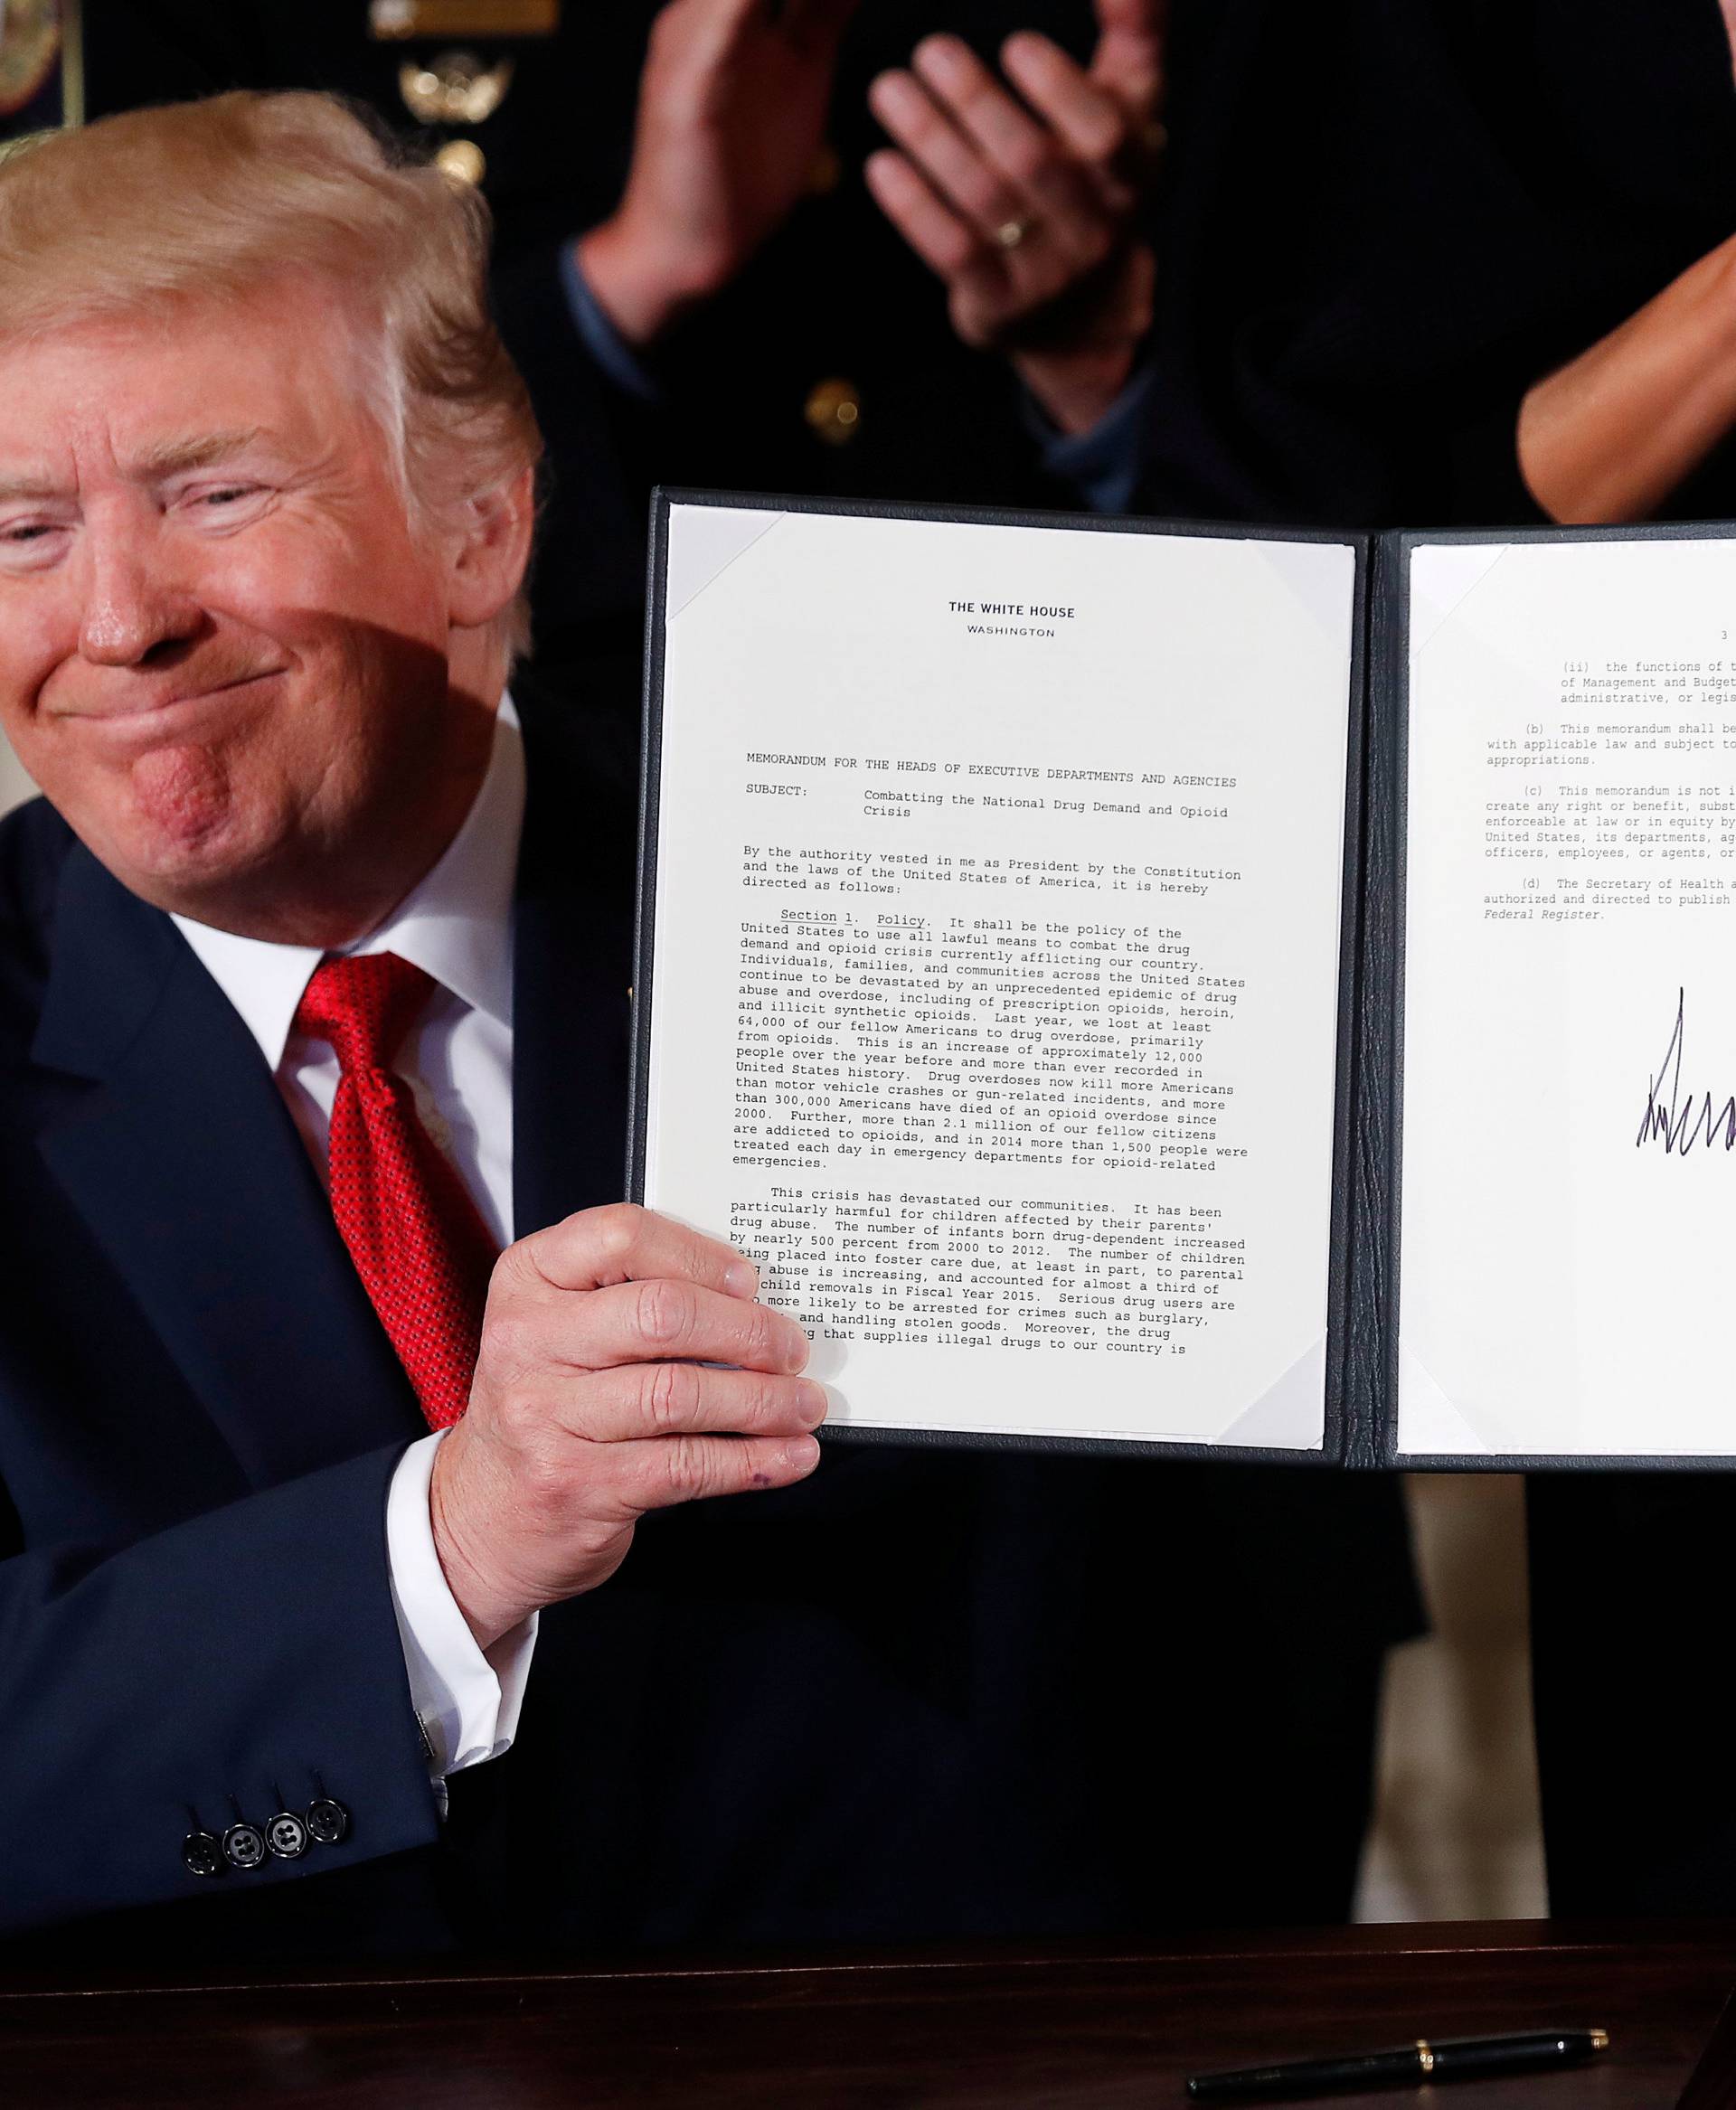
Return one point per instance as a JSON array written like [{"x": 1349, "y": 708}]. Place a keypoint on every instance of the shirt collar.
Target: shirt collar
[{"x": 456, "y": 925}]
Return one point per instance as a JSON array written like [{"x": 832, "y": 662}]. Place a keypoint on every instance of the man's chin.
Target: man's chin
[
  {"x": 182, "y": 842},
  {"x": 246, "y": 873},
  {"x": 213, "y": 879},
  {"x": 181, "y": 795}
]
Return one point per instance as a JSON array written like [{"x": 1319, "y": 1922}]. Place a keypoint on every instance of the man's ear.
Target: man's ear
[{"x": 491, "y": 548}]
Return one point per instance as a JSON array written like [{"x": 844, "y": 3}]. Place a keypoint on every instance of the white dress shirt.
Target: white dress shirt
[{"x": 457, "y": 927}]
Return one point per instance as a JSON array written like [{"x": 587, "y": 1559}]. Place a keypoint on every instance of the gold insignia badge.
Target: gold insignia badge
[
  {"x": 30, "y": 43},
  {"x": 833, "y": 411},
  {"x": 455, "y": 88},
  {"x": 462, "y": 161}
]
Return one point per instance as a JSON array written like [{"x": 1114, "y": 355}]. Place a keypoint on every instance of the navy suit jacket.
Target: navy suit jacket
[{"x": 922, "y": 1695}]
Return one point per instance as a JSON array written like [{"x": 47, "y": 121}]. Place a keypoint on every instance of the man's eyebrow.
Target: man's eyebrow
[
  {"x": 167, "y": 457},
  {"x": 14, "y": 488},
  {"x": 174, "y": 458}
]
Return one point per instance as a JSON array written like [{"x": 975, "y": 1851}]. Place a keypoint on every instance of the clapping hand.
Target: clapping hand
[
  {"x": 732, "y": 116},
  {"x": 1026, "y": 204}
]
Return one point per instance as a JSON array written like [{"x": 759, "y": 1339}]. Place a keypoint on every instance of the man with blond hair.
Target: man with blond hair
[{"x": 336, "y": 1382}]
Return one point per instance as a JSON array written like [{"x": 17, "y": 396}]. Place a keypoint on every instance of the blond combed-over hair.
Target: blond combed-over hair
[{"x": 211, "y": 200}]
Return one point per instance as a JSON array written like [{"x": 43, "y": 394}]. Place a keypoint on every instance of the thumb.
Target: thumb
[{"x": 1128, "y": 61}]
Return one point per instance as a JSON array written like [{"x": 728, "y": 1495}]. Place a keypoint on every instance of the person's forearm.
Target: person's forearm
[
  {"x": 1076, "y": 381},
  {"x": 1076, "y": 392},
  {"x": 466, "y": 1698},
  {"x": 638, "y": 287},
  {"x": 1611, "y": 434}
]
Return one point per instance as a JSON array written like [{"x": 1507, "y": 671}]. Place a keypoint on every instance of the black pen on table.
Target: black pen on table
[{"x": 1439, "y": 2058}]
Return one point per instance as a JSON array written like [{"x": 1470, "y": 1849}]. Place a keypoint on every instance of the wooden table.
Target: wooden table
[{"x": 1112, "y": 2029}]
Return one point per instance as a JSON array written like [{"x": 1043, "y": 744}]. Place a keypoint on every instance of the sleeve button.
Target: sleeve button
[
  {"x": 327, "y": 1821},
  {"x": 202, "y": 1854},
  {"x": 244, "y": 1846},
  {"x": 286, "y": 1836}
]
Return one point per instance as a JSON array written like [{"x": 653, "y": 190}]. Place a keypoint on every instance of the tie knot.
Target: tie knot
[{"x": 364, "y": 1005}]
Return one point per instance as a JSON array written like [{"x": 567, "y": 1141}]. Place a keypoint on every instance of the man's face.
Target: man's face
[{"x": 223, "y": 646}]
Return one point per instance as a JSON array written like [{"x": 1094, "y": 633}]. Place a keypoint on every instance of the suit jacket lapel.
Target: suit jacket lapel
[
  {"x": 189, "y": 1172},
  {"x": 571, "y": 967},
  {"x": 572, "y": 957}
]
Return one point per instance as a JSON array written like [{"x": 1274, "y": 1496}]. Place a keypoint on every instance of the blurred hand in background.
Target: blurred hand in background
[
  {"x": 731, "y": 117},
  {"x": 1027, "y": 203}
]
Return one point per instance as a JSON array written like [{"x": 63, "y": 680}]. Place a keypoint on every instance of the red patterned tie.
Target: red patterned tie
[{"x": 418, "y": 1240}]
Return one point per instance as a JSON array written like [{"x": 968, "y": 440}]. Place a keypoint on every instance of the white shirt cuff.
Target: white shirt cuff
[{"x": 466, "y": 1702}]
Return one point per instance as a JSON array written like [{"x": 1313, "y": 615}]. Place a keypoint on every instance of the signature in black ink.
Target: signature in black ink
[{"x": 1680, "y": 1125}]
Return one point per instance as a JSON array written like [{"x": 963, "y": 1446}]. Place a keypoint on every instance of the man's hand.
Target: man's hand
[
  {"x": 1027, "y": 208},
  {"x": 733, "y": 108},
  {"x": 592, "y": 1403}
]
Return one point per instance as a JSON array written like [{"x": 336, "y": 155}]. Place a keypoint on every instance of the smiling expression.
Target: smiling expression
[{"x": 228, "y": 655}]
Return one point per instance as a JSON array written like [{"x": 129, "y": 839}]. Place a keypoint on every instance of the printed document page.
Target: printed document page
[
  {"x": 1568, "y": 1233},
  {"x": 993, "y": 1005}
]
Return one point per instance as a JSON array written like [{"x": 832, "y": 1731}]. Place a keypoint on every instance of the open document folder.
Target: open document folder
[{"x": 1169, "y": 987}]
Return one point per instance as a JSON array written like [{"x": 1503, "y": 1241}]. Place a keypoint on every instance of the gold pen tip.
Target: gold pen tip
[{"x": 1600, "y": 2039}]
